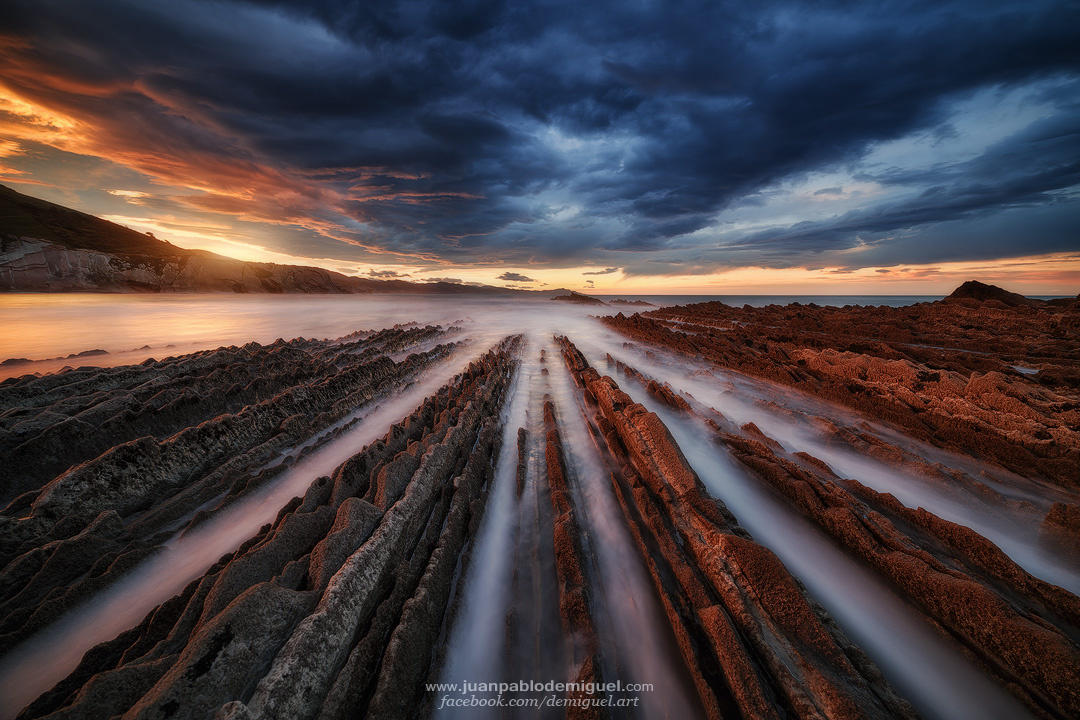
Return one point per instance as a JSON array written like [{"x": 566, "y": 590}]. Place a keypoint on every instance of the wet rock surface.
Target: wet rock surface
[
  {"x": 606, "y": 552},
  {"x": 223, "y": 422},
  {"x": 751, "y": 641},
  {"x": 335, "y": 609},
  {"x": 1019, "y": 628},
  {"x": 980, "y": 372},
  {"x": 574, "y": 601}
]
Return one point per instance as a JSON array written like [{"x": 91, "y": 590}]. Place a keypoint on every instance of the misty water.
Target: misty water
[
  {"x": 923, "y": 667},
  {"x": 927, "y": 669},
  {"x": 48, "y": 327}
]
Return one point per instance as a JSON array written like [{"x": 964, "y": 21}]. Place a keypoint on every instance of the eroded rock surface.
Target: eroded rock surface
[
  {"x": 980, "y": 373},
  {"x": 1019, "y": 628},
  {"x": 751, "y": 641},
  {"x": 199, "y": 429},
  {"x": 349, "y": 600},
  {"x": 335, "y": 609}
]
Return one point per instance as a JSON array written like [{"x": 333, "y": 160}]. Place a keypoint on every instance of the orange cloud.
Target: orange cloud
[{"x": 176, "y": 144}]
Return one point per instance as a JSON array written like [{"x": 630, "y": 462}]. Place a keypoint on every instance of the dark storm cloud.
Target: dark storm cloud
[
  {"x": 515, "y": 277},
  {"x": 386, "y": 274},
  {"x": 427, "y": 128},
  {"x": 605, "y": 271},
  {"x": 1023, "y": 171}
]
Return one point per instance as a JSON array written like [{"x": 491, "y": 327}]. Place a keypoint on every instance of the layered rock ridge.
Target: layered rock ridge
[
  {"x": 334, "y": 610},
  {"x": 1020, "y": 629},
  {"x": 979, "y": 373},
  {"x": 113, "y": 462},
  {"x": 752, "y": 643}
]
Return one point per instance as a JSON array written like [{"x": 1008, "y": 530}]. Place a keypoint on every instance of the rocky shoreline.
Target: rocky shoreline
[
  {"x": 751, "y": 641},
  {"x": 321, "y": 613},
  {"x": 977, "y": 376},
  {"x": 571, "y": 460},
  {"x": 1020, "y": 628},
  {"x": 220, "y": 420}
]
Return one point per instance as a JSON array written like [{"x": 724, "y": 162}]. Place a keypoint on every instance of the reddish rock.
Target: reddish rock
[
  {"x": 574, "y": 602},
  {"x": 997, "y": 378},
  {"x": 746, "y": 630}
]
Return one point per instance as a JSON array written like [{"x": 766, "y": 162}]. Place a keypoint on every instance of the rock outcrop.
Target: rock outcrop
[
  {"x": 578, "y": 299},
  {"x": 751, "y": 641},
  {"x": 981, "y": 292},
  {"x": 993, "y": 380},
  {"x": 574, "y": 602},
  {"x": 353, "y": 596},
  {"x": 335, "y": 609},
  {"x": 135, "y": 450},
  {"x": 1018, "y": 627}
]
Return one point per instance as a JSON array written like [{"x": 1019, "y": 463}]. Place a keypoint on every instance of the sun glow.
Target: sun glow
[{"x": 1055, "y": 274}]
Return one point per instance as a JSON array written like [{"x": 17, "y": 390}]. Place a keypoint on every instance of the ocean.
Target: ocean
[{"x": 55, "y": 330}]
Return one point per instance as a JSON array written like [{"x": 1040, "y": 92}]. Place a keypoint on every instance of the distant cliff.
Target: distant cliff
[
  {"x": 29, "y": 264},
  {"x": 46, "y": 247}
]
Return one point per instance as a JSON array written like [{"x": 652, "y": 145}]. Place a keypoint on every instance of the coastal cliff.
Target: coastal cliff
[
  {"x": 35, "y": 265},
  {"x": 46, "y": 247}
]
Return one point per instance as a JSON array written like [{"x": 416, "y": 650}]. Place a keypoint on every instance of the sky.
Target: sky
[{"x": 615, "y": 147}]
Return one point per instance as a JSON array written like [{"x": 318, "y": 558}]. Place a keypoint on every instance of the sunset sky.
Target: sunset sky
[{"x": 616, "y": 147}]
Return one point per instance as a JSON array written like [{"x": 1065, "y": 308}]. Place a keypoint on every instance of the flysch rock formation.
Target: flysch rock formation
[
  {"x": 334, "y": 609},
  {"x": 972, "y": 373},
  {"x": 359, "y": 591},
  {"x": 1019, "y": 628},
  {"x": 106, "y": 462},
  {"x": 543, "y": 588},
  {"x": 570, "y": 561},
  {"x": 752, "y": 643}
]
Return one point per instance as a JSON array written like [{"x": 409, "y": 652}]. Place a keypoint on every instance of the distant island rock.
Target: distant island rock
[
  {"x": 981, "y": 292},
  {"x": 634, "y": 303},
  {"x": 73, "y": 356},
  {"x": 575, "y": 297}
]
